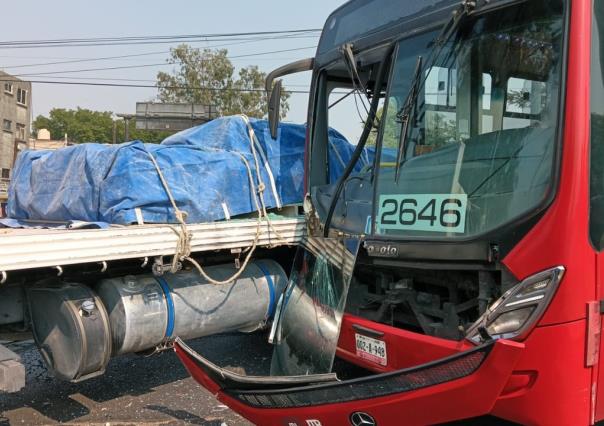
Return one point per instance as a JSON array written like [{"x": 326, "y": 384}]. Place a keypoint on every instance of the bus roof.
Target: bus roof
[
  {"x": 370, "y": 22},
  {"x": 361, "y": 19}
]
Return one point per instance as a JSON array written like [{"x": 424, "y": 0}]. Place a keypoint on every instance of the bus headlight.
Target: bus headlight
[{"x": 515, "y": 313}]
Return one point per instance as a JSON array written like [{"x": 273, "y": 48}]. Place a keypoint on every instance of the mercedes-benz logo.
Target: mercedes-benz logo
[{"x": 359, "y": 418}]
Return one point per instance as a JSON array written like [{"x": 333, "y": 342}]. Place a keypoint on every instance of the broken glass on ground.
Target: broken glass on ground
[{"x": 309, "y": 316}]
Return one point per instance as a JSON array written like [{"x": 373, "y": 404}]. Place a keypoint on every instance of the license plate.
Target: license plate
[{"x": 373, "y": 350}]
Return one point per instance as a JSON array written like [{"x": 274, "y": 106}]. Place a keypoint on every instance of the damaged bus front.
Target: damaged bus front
[{"x": 475, "y": 285}]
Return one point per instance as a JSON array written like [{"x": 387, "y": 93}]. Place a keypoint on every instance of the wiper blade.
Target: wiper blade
[
  {"x": 465, "y": 9},
  {"x": 404, "y": 115}
]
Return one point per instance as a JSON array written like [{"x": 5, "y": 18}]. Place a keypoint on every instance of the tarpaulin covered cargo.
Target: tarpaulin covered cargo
[{"x": 203, "y": 166}]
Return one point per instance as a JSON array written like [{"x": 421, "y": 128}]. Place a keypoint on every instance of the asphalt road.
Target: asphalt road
[{"x": 154, "y": 390}]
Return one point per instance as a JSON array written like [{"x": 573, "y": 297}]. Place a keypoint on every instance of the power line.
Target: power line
[
  {"x": 165, "y": 52},
  {"x": 39, "y": 57},
  {"x": 149, "y": 86},
  {"x": 102, "y": 79},
  {"x": 158, "y": 37},
  {"x": 155, "y": 64},
  {"x": 121, "y": 67},
  {"x": 146, "y": 42},
  {"x": 119, "y": 41}
]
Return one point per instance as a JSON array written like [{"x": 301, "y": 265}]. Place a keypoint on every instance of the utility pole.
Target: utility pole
[
  {"x": 114, "y": 132},
  {"x": 127, "y": 129}
]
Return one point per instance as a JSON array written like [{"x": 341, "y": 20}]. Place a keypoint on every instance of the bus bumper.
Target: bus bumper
[{"x": 461, "y": 385}]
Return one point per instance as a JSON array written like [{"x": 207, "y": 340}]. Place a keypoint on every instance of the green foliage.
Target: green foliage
[
  {"x": 148, "y": 136},
  {"x": 84, "y": 125},
  {"x": 207, "y": 77},
  {"x": 80, "y": 125},
  {"x": 440, "y": 130},
  {"x": 392, "y": 127}
]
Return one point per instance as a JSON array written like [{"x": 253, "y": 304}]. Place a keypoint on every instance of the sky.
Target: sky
[{"x": 59, "y": 19}]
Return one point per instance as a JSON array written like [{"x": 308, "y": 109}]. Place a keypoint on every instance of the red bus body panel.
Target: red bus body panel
[
  {"x": 546, "y": 370},
  {"x": 543, "y": 380},
  {"x": 467, "y": 397},
  {"x": 405, "y": 348},
  {"x": 551, "y": 383}
]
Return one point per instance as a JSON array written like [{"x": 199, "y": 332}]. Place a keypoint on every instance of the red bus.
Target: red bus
[{"x": 479, "y": 284}]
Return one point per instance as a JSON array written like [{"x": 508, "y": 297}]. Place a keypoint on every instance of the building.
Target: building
[
  {"x": 44, "y": 143},
  {"x": 15, "y": 120}
]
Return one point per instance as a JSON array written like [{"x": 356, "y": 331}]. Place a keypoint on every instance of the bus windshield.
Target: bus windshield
[{"x": 480, "y": 142}]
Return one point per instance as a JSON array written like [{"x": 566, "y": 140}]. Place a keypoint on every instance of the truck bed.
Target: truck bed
[{"x": 36, "y": 248}]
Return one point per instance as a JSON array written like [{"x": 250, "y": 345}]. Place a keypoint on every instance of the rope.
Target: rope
[
  {"x": 248, "y": 257},
  {"x": 183, "y": 245},
  {"x": 264, "y": 158},
  {"x": 261, "y": 185}
]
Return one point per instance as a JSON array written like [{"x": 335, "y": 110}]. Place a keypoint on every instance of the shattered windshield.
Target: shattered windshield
[
  {"x": 310, "y": 311},
  {"x": 480, "y": 143}
]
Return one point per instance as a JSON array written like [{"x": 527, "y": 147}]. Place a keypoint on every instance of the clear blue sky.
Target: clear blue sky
[{"x": 34, "y": 19}]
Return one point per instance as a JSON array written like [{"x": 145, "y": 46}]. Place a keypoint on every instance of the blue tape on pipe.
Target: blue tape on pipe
[
  {"x": 170, "y": 303},
  {"x": 271, "y": 289}
]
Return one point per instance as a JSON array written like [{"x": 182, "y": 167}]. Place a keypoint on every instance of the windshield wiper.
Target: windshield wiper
[
  {"x": 407, "y": 112},
  {"x": 405, "y": 115},
  {"x": 465, "y": 9}
]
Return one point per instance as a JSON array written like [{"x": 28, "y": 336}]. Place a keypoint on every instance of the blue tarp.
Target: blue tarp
[{"x": 106, "y": 183}]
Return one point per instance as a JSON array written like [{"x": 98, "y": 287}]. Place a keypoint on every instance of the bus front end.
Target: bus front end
[{"x": 476, "y": 190}]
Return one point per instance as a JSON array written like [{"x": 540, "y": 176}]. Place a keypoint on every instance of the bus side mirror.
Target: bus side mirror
[
  {"x": 273, "y": 90},
  {"x": 274, "y": 108}
]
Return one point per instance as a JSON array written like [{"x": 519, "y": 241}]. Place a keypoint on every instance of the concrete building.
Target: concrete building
[
  {"x": 15, "y": 120},
  {"x": 43, "y": 142}
]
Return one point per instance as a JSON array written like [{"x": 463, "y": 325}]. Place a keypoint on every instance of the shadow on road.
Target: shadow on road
[
  {"x": 185, "y": 416},
  {"x": 130, "y": 375}
]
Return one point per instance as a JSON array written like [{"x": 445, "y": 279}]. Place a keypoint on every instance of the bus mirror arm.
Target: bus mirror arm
[{"x": 274, "y": 88}]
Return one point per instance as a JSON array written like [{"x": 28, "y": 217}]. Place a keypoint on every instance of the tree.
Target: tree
[
  {"x": 440, "y": 129},
  {"x": 207, "y": 77},
  {"x": 80, "y": 125},
  {"x": 148, "y": 136},
  {"x": 84, "y": 125},
  {"x": 392, "y": 127}
]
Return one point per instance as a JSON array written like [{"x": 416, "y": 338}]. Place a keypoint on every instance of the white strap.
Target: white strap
[
  {"x": 271, "y": 178},
  {"x": 225, "y": 209},
  {"x": 139, "y": 216}
]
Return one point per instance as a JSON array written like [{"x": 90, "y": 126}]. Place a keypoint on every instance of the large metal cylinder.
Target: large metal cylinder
[{"x": 144, "y": 309}]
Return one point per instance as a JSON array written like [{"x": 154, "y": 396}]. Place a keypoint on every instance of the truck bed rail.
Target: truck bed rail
[{"x": 35, "y": 248}]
